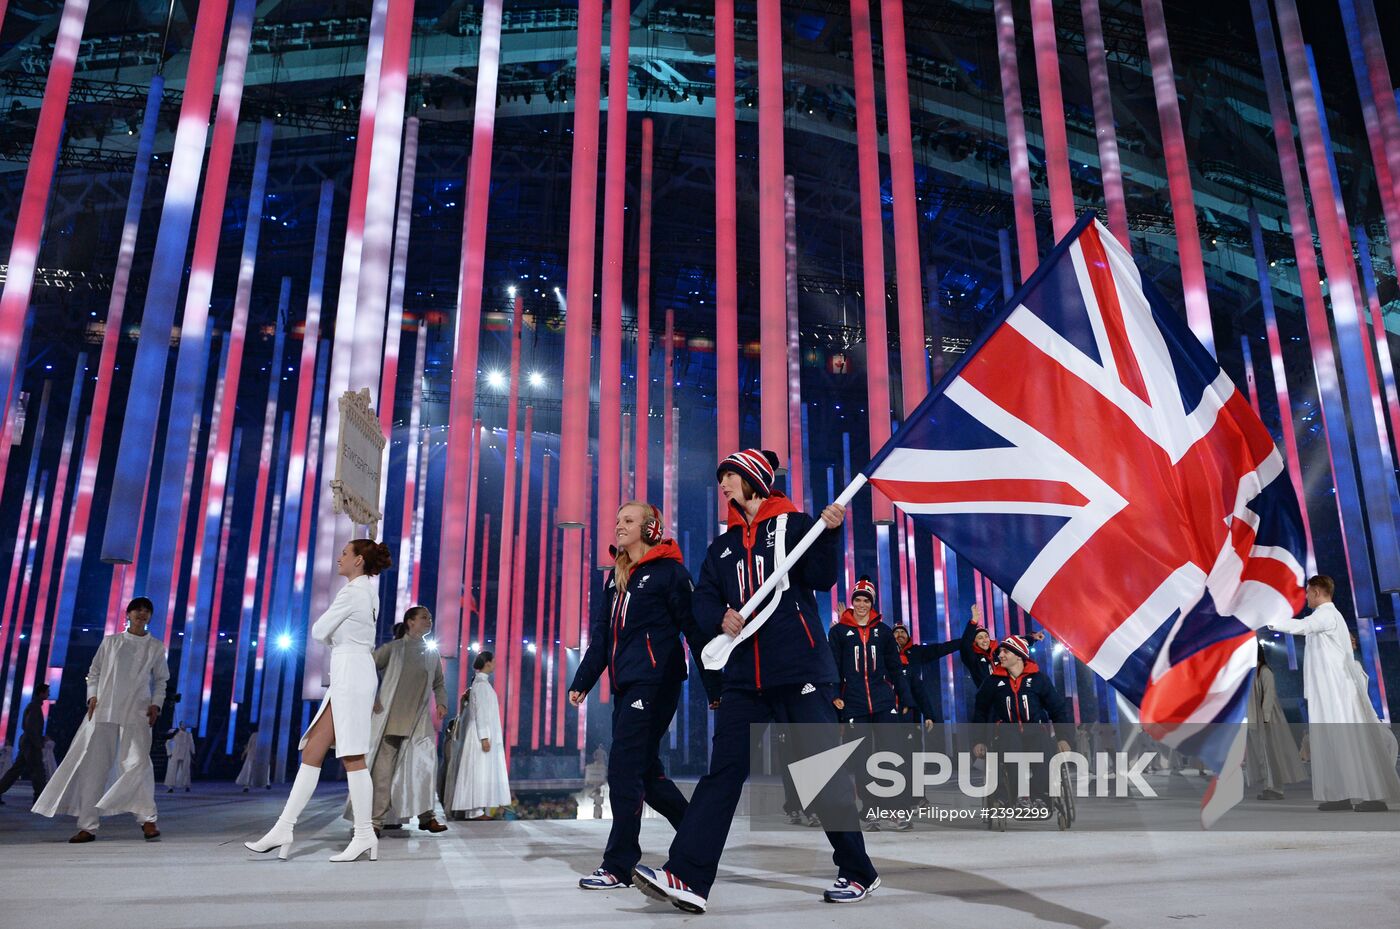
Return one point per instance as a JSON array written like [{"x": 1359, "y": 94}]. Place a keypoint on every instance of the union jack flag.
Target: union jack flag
[{"x": 1091, "y": 457}]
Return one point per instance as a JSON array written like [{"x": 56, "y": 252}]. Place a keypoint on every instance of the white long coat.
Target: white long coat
[
  {"x": 482, "y": 781},
  {"x": 127, "y": 675},
  {"x": 415, "y": 773},
  {"x": 180, "y": 748},
  {"x": 1353, "y": 753},
  {"x": 347, "y": 627},
  {"x": 256, "y": 763}
]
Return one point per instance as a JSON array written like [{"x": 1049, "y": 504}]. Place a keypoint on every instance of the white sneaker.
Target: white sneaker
[
  {"x": 664, "y": 886},
  {"x": 844, "y": 891},
  {"x": 600, "y": 879}
]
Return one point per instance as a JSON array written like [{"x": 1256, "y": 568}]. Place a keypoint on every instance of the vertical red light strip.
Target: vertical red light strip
[
  {"x": 398, "y": 282},
  {"x": 505, "y": 566},
  {"x": 794, "y": 344},
  {"x": 1052, "y": 116},
  {"x": 551, "y": 611},
  {"x": 1188, "y": 240},
  {"x": 33, "y": 206},
  {"x": 772, "y": 286},
  {"x": 467, "y": 605},
  {"x": 544, "y": 642},
  {"x": 578, "y": 324},
  {"x": 91, "y": 454},
  {"x": 625, "y": 470},
  {"x": 331, "y": 531},
  {"x": 1105, "y": 127},
  {"x": 610, "y": 331},
  {"x": 913, "y": 355},
  {"x": 452, "y": 582},
  {"x": 407, "y": 566},
  {"x": 901, "y": 547},
  {"x": 517, "y": 595},
  {"x": 1027, "y": 251},
  {"x": 726, "y": 236},
  {"x": 1281, "y": 393},
  {"x": 273, "y": 566},
  {"x": 560, "y": 680},
  {"x": 913, "y": 579},
  {"x": 872, "y": 237},
  {"x": 668, "y": 414},
  {"x": 216, "y": 602},
  {"x": 640, "y": 465},
  {"x": 417, "y": 570},
  {"x": 481, "y": 638}
]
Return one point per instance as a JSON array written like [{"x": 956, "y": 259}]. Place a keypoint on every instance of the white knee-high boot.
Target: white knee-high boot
[
  {"x": 361, "y": 807},
  {"x": 280, "y": 835}
]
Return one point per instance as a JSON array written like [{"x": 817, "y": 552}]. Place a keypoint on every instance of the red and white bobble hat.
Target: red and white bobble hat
[
  {"x": 755, "y": 465},
  {"x": 1017, "y": 645},
  {"x": 865, "y": 587}
]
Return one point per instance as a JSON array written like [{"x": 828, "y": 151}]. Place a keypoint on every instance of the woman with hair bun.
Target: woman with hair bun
[{"x": 343, "y": 720}]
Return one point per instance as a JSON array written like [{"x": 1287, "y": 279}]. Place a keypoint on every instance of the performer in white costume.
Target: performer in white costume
[
  {"x": 343, "y": 719},
  {"x": 482, "y": 781},
  {"x": 1271, "y": 755},
  {"x": 1353, "y": 753},
  {"x": 403, "y": 735},
  {"x": 108, "y": 767},
  {"x": 180, "y": 749},
  {"x": 256, "y": 764}
]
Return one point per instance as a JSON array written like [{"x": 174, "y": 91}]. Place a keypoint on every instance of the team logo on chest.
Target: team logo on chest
[{"x": 642, "y": 581}]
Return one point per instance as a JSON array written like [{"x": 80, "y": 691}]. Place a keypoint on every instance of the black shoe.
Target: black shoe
[
  {"x": 1371, "y": 806},
  {"x": 1333, "y": 806},
  {"x": 795, "y": 818},
  {"x": 1270, "y": 795}
]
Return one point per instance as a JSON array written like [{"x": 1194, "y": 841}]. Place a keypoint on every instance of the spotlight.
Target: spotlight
[
  {"x": 530, "y": 648},
  {"x": 430, "y": 645},
  {"x": 536, "y": 379},
  {"x": 511, "y": 290},
  {"x": 476, "y": 646},
  {"x": 284, "y": 641},
  {"x": 495, "y": 379}
]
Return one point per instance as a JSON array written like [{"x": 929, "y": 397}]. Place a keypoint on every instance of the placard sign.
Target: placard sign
[{"x": 359, "y": 461}]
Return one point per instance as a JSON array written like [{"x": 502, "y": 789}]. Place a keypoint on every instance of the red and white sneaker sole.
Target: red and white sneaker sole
[{"x": 651, "y": 884}]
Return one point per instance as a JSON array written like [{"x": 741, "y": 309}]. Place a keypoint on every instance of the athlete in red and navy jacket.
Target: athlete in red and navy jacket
[
  {"x": 872, "y": 686},
  {"x": 636, "y": 638},
  {"x": 1019, "y": 694},
  {"x": 789, "y": 648},
  {"x": 782, "y": 673}
]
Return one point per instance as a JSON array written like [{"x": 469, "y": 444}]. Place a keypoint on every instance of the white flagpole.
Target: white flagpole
[{"x": 717, "y": 652}]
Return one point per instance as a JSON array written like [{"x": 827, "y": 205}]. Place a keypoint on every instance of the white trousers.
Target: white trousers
[{"x": 129, "y": 748}]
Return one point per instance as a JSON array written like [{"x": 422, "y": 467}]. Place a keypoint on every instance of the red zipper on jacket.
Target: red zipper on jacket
[
  {"x": 650, "y": 653},
  {"x": 865, "y": 667},
  {"x": 811, "y": 642}
]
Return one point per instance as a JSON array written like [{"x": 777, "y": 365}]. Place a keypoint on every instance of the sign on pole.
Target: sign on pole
[{"x": 359, "y": 461}]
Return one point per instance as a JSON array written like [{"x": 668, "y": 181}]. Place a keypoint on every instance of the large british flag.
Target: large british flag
[{"x": 1091, "y": 458}]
